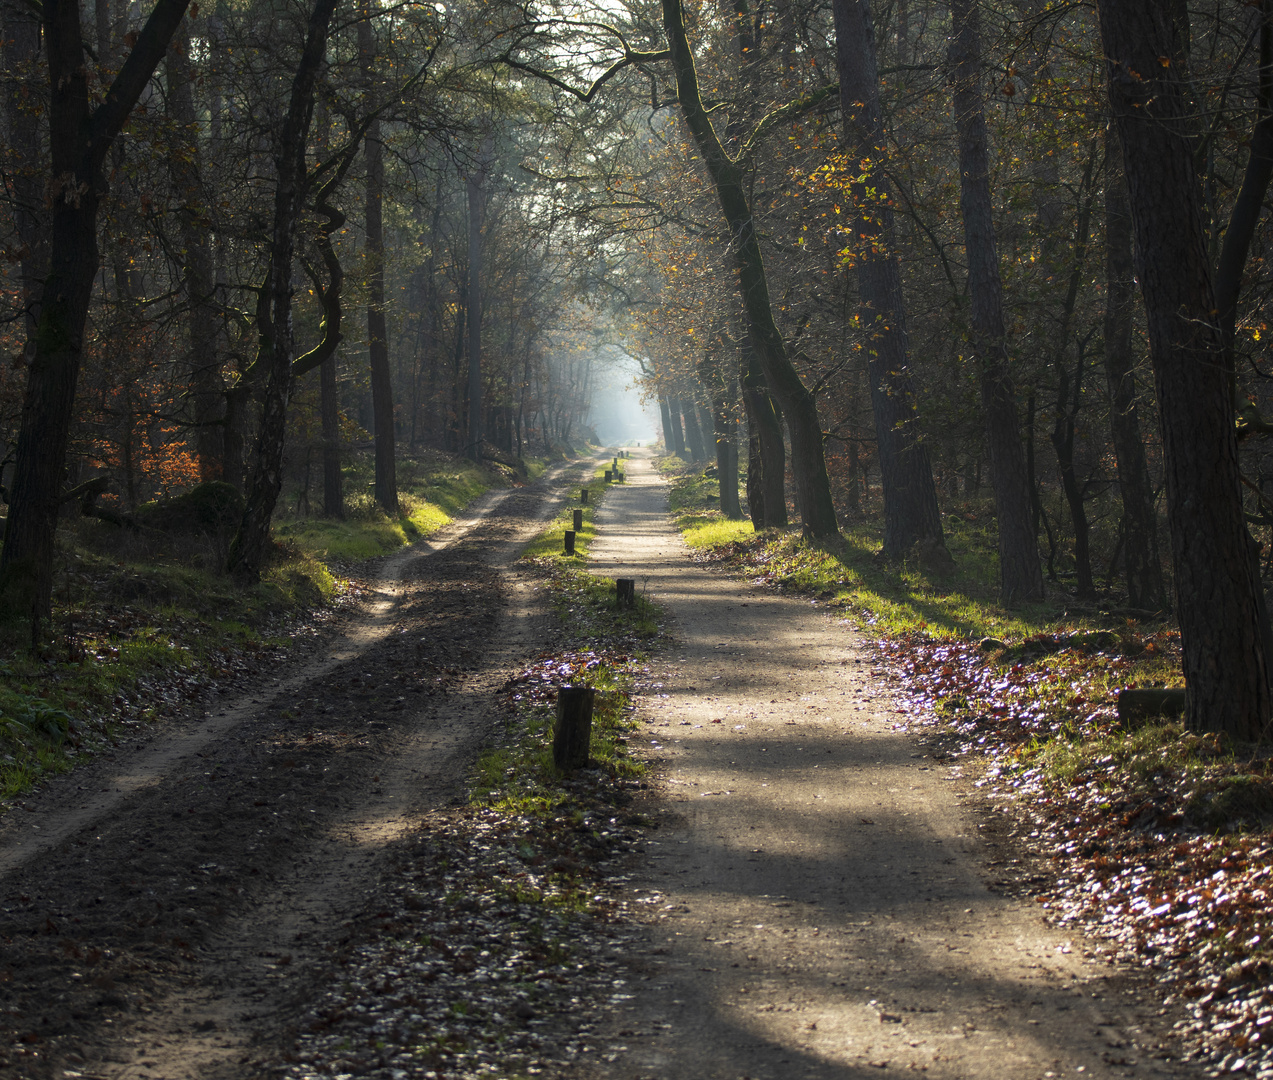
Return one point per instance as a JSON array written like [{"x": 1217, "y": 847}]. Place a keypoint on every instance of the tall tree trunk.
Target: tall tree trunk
[
  {"x": 1020, "y": 576},
  {"x": 716, "y": 376},
  {"x": 797, "y": 403},
  {"x": 1224, "y": 660},
  {"x": 198, "y": 273},
  {"x": 247, "y": 550},
  {"x": 1141, "y": 565},
  {"x": 329, "y": 406},
  {"x": 693, "y": 432},
  {"x": 79, "y": 139},
  {"x": 23, "y": 106},
  {"x": 377, "y": 336},
  {"x": 910, "y": 497},
  {"x": 477, "y": 219},
  {"x": 1063, "y": 430},
  {"x": 726, "y": 433},
  {"x": 665, "y": 414},
  {"x": 767, "y": 455},
  {"x": 1255, "y": 184},
  {"x": 677, "y": 431}
]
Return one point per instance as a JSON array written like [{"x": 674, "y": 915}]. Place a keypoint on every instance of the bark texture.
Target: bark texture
[
  {"x": 1142, "y": 567},
  {"x": 1216, "y": 586},
  {"x": 207, "y": 389},
  {"x": 79, "y": 139},
  {"x": 1020, "y": 575},
  {"x": 377, "y": 335},
  {"x": 727, "y": 176},
  {"x": 247, "y": 551},
  {"x": 910, "y": 497},
  {"x": 477, "y": 218}
]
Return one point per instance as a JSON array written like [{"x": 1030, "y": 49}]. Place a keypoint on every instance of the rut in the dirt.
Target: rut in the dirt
[{"x": 157, "y": 942}]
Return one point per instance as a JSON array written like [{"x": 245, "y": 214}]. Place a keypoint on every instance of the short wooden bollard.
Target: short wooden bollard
[
  {"x": 625, "y": 592},
  {"x": 570, "y": 542},
  {"x": 609, "y": 476},
  {"x": 583, "y": 496},
  {"x": 578, "y": 522},
  {"x": 574, "y": 726}
]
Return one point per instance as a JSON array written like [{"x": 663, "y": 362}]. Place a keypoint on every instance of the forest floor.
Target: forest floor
[{"x": 290, "y": 883}]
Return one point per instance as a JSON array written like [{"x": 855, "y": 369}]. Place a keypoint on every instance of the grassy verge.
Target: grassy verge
[
  {"x": 432, "y": 491},
  {"x": 566, "y": 820},
  {"x": 144, "y": 622},
  {"x": 549, "y": 544},
  {"x": 1155, "y": 838}
]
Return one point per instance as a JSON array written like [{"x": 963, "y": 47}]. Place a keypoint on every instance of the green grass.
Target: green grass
[
  {"x": 890, "y": 601},
  {"x": 143, "y": 620},
  {"x": 550, "y": 543},
  {"x": 430, "y": 493},
  {"x": 604, "y": 648}
]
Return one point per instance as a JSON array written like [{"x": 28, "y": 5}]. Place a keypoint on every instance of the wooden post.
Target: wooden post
[
  {"x": 609, "y": 476},
  {"x": 578, "y": 522},
  {"x": 573, "y": 731},
  {"x": 625, "y": 592},
  {"x": 570, "y": 542},
  {"x": 583, "y": 496}
]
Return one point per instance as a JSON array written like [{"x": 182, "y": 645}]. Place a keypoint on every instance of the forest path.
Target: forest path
[
  {"x": 188, "y": 887},
  {"x": 822, "y": 890}
]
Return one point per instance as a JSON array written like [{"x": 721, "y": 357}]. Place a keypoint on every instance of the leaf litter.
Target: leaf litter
[
  {"x": 1153, "y": 840},
  {"x": 1156, "y": 841}
]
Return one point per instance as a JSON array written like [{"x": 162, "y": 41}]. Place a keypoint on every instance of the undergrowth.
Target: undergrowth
[
  {"x": 144, "y": 619},
  {"x": 1157, "y": 838},
  {"x": 569, "y": 819},
  {"x": 550, "y": 543}
]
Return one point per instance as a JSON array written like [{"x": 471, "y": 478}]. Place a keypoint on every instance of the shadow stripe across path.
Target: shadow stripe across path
[{"x": 820, "y": 897}]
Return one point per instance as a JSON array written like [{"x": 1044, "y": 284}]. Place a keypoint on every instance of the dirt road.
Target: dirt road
[
  {"x": 164, "y": 907},
  {"x": 273, "y": 889},
  {"x": 822, "y": 893}
]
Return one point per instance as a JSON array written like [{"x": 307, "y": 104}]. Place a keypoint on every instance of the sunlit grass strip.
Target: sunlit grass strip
[
  {"x": 606, "y": 653},
  {"x": 550, "y": 543},
  {"x": 367, "y": 531}
]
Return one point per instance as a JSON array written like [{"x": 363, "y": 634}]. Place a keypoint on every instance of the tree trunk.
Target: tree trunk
[
  {"x": 377, "y": 336},
  {"x": 1255, "y": 183},
  {"x": 767, "y": 458},
  {"x": 198, "y": 274},
  {"x": 329, "y": 406},
  {"x": 910, "y": 498},
  {"x": 797, "y": 403},
  {"x": 247, "y": 550},
  {"x": 1141, "y": 565},
  {"x": 678, "y": 433},
  {"x": 724, "y": 433},
  {"x": 693, "y": 432},
  {"x": 727, "y": 459},
  {"x": 79, "y": 139},
  {"x": 21, "y": 52},
  {"x": 1020, "y": 575},
  {"x": 1224, "y": 661},
  {"x": 1067, "y": 409},
  {"x": 665, "y": 413},
  {"x": 477, "y": 219}
]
